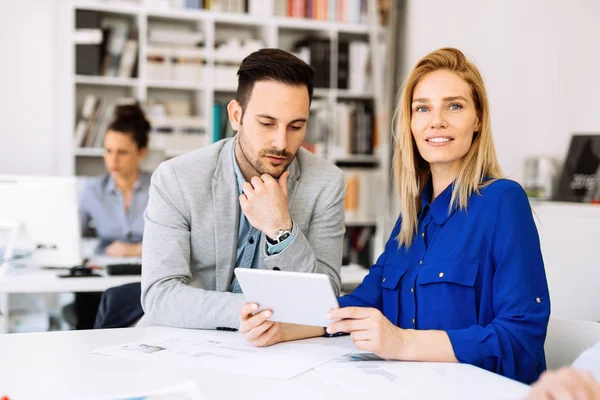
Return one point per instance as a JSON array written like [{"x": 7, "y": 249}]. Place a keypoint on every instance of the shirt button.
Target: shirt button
[
  {"x": 413, "y": 321},
  {"x": 423, "y": 234},
  {"x": 412, "y": 290},
  {"x": 538, "y": 300},
  {"x": 383, "y": 280},
  {"x": 441, "y": 275},
  {"x": 251, "y": 241},
  {"x": 421, "y": 262}
]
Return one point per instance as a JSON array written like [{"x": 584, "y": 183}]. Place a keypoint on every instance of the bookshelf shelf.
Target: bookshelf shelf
[
  {"x": 172, "y": 84},
  {"x": 347, "y": 94},
  {"x": 105, "y": 80},
  {"x": 225, "y": 88},
  {"x": 357, "y": 159}
]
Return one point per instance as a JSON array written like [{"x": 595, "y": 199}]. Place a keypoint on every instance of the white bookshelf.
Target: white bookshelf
[
  {"x": 105, "y": 80},
  {"x": 204, "y": 92}
]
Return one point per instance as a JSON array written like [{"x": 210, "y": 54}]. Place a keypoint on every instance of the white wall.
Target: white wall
[
  {"x": 540, "y": 60},
  {"x": 27, "y": 87}
]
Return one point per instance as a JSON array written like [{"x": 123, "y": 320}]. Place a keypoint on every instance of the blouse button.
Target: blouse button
[
  {"x": 538, "y": 300},
  {"x": 421, "y": 262},
  {"x": 383, "y": 280},
  {"x": 441, "y": 275}
]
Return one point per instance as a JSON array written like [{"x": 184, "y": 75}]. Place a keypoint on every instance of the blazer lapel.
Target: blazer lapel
[
  {"x": 293, "y": 179},
  {"x": 226, "y": 217}
]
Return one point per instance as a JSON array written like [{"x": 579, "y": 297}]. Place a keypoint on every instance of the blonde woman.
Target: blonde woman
[{"x": 462, "y": 277}]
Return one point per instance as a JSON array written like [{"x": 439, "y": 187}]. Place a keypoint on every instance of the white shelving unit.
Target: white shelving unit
[{"x": 273, "y": 32}]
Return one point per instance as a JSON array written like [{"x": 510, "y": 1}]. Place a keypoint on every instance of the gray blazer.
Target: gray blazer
[{"x": 191, "y": 228}]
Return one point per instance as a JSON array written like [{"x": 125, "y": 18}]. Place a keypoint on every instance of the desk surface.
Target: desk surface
[
  {"x": 36, "y": 280},
  {"x": 61, "y": 365}
]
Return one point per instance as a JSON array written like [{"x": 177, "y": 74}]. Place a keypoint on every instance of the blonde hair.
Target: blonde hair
[{"x": 412, "y": 171}]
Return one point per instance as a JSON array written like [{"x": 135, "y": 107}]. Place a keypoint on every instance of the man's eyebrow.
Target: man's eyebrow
[{"x": 275, "y": 119}]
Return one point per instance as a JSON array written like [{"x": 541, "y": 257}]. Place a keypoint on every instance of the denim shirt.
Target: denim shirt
[
  {"x": 249, "y": 237},
  {"x": 101, "y": 202}
]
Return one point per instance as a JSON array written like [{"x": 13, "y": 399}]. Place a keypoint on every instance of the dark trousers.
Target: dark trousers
[
  {"x": 81, "y": 314},
  {"x": 120, "y": 307}
]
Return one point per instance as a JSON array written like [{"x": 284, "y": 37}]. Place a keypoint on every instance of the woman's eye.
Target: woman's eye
[
  {"x": 266, "y": 124},
  {"x": 455, "y": 106},
  {"x": 421, "y": 109}
]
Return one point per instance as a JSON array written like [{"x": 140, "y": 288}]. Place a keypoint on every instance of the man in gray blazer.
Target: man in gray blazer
[{"x": 255, "y": 201}]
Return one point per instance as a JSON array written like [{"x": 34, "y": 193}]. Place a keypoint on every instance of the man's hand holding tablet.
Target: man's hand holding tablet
[{"x": 284, "y": 306}]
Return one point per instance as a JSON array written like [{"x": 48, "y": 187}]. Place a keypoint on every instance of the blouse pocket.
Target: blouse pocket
[
  {"x": 446, "y": 294},
  {"x": 390, "y": 292}
]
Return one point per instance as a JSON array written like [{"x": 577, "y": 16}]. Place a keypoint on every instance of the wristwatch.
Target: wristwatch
[{"x": 282, "y": 234}]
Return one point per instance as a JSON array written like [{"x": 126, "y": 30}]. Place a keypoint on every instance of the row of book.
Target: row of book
[
  {"x": 353, "y": 68},
  {"x": 347, "y": 129},
  {"x": 326, "y": 10},
  {"x": 221, "y": 127},
  {"x": 94, "y": 119},
  {"x": 105, "y": 46}
]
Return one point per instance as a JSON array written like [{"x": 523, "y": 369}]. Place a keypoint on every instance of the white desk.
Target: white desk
[
  {"x": 36, "y": 280},
  {"x": 60, "y": 365}
]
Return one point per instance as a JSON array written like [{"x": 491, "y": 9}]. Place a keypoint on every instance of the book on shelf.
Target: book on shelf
[
  {"x": 317, "y": 52},
  {"x": 88, "y": 42},
  {"x": 118, "y": 33},
  {"x": 233, "y": 6},
  {"x": 221, "y": 127},
  {"x": 354, "y": 11},
  {"x": 353, "y": 129},
  {"x": 95, "y": 118},
  {"x": 128, "y": 59},
  {"x": 104, "y": 45},
  {"x": 358, "y": 245},
  {"x": 88, "y": 110},
  {"x": 360, "y": 203},
  {"x": 318, "y": 128}
]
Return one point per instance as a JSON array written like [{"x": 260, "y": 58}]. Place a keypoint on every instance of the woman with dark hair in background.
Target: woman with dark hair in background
[{"x": 116, "y": 201}]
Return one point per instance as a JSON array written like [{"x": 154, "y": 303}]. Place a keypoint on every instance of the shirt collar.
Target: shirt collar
[
  {"x": 440, "y": 208},
  {"x": 111, "y": 187}
]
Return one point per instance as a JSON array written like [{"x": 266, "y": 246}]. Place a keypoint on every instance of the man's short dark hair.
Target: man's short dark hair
[{"x": 274, "y": 65}]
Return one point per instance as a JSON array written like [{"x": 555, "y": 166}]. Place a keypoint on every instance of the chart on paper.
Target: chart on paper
[{"x": 227, "y": 353}]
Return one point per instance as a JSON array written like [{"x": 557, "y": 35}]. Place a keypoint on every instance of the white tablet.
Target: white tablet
[{"x": 294, "y": 297}]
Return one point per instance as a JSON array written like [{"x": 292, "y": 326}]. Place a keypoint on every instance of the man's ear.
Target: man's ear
[{"x": 234, "y": 110}]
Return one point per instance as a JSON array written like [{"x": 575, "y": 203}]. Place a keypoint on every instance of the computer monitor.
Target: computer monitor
[{"x": 41, "y": 217}]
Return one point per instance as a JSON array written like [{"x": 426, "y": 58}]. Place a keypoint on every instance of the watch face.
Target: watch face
[{"x": 283, "y": 236}]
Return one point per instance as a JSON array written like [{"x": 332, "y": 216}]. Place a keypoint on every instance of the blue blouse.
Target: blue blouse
[
  {"x": 477, "y": 274},
  {"x": 101, "y": 202}
]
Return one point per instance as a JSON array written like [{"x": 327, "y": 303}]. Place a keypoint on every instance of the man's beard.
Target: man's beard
[{"x": 256, "y": 163}]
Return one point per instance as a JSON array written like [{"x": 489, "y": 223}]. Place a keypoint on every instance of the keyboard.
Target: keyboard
[{"x": 124, "y": 269}]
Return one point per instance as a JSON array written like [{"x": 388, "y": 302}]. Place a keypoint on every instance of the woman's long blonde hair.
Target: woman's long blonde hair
[{"x": 412, "y": 171}]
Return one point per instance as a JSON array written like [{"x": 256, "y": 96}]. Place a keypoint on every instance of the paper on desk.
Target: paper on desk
[
  {"x": 367, "y": 375},
  {"x": 227, "y": 353}
]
